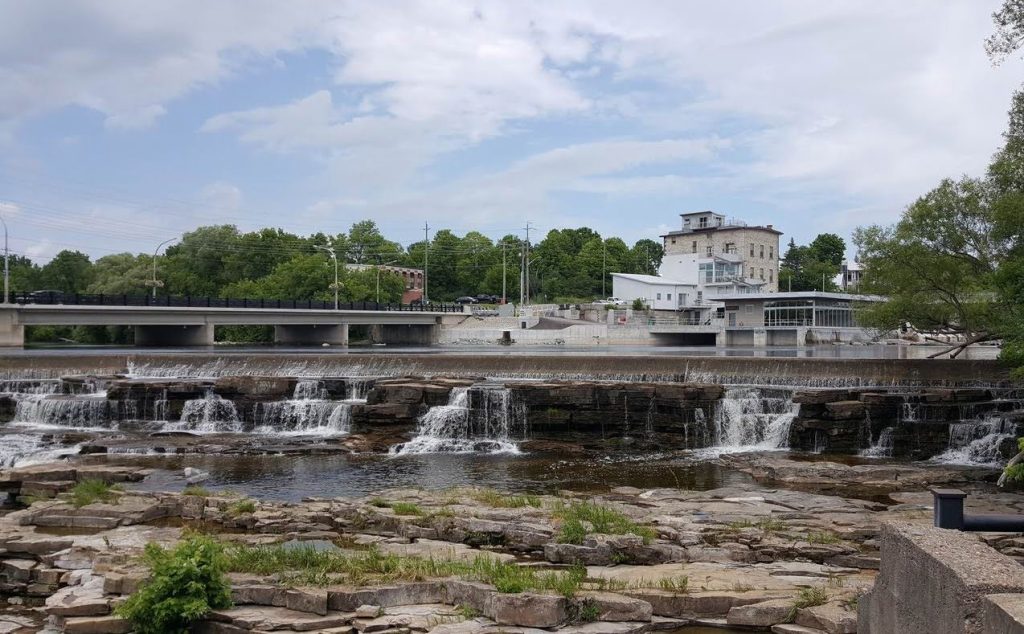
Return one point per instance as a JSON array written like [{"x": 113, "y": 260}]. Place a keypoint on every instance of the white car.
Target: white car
[{"x": 612, "y": 301}]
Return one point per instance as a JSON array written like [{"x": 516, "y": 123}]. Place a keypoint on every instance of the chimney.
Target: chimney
[{"x": 769, "y": 226}]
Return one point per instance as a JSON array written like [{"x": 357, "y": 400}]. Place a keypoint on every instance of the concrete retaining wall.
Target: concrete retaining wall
[
  {"x": 729, "y": 370},
  {"x": 937, "y": 581}
]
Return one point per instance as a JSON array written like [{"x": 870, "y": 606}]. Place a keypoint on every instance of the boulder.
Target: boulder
[
  {"x": 527, "y": 609},
  {"x": 616, "y": 607},
  {"x": 830, "y": 617},
  {"x": 763, "y": 614}
]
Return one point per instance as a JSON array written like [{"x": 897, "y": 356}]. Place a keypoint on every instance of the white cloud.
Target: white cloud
[
  {"x": 136, "y": 119},
  {"x": 221, "y": 197}
]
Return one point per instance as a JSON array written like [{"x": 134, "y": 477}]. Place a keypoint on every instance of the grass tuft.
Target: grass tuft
[
  {"x": 605, "y": 520},
  {"x": 824, "y": 537},
  {"x": 241, "y": 507},
  {"x": 90, "y": 491},
  {"x": 496, "y": 499},
  {"x": 807, "y": 598},
  {"x": 678, "y": 585},
  {"x": 196, "y": 490},
  {"x": 406, "y": 508}
]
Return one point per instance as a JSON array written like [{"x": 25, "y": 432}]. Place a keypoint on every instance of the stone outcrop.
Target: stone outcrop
[{"x": 918, "y": 421}]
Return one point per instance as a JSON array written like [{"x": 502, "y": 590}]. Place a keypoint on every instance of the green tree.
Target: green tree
[
  {"x": 197, "y": 265},
  {"x": 828, "y": 248},
  {"x": 122, "y": 274},
  {"x": 68, "y": 271},
  {"x": 646, "y": 256},
  {"x": 812, "y": 267}
]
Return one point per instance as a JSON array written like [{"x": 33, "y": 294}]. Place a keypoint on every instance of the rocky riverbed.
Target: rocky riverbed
[{"x": 467, "y": 560}]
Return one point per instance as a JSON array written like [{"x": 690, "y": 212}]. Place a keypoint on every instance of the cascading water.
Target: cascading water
[
  {"x": 308, "y": 412},
  {"x": 881, "y": 448},
  {"x": 207, "y": 415},
  {"x": 93, "y": 411},
  {"x": 748, "y": 419},
  {"x": 20, "y": 450},
  {"x": 977, "y": 442},
  {"x": 482, "y": 419}
]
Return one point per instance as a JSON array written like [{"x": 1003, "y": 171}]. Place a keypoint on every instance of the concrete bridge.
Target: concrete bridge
[{"x": 194, "y": 325}]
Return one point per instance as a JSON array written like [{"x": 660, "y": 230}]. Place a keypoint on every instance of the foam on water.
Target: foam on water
[
  {"x": 212, "y": 414},
  {"x": 21, "y": 450}
]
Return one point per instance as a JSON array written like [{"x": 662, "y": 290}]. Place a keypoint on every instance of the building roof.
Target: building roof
[
  {"x": 722, "y": 228},
  {"x": 801, "y": 295},
  {"x": 651, "y": 279}
]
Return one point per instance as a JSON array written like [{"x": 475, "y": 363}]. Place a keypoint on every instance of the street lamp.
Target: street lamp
[
  {"x": 155, "y": 283},
  {"x": 334, "y": 256},
  {"x": 7, "y": 266},
  {"x": 379, "y": 264}
]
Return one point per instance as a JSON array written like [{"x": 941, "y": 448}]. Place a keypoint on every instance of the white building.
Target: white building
[
  {"x": 850, "y": 274},
  {"x": 707, "y": 259}
]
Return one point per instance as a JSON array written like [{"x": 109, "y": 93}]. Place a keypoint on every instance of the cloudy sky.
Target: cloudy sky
[{"x": 124, "y": 123}]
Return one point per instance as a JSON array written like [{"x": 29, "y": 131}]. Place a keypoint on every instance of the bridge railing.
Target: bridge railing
[{"x": 53, "y": 298}]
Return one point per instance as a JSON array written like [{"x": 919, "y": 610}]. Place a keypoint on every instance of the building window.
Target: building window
[
  {"x": 659, "y": 296},
  {"x": 750, "y": 309},
  {"x": 668, "y": 296},
  {"x": 762, "y": 275},
  {"x": 771, "y": 275},
  {"x": 694, "y": 246},
  {"x": 709, "y": 250},
  {"x": 751, "y": 249},
  {"x": 771, "y": 253},
  {"x": 762, "y": 251},
  {"x": 703, "y": 222},
  {"x": 673, "y": 240}
]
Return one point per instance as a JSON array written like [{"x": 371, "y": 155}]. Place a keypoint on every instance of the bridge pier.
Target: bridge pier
[
  {"x": 405, "y": 334},
  {"x": 12, "y": 332},
  {"x": 164, "y": 336},
  {"x": 312, "y": 335}
]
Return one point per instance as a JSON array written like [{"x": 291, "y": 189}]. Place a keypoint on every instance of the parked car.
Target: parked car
[
  {"x": 465, "y": 300},
  {"x": 612, "y": 301},
  {"x": 45, "y": 297},
  {"x": 483, "y": 298}
]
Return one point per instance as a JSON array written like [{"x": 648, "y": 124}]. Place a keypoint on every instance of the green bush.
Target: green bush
[
  {"x": 639, "y": 304},
  {"x": 184, "y": 585}
]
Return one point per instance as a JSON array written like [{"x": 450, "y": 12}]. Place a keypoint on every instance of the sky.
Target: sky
[{"x": 124, "y": 123}]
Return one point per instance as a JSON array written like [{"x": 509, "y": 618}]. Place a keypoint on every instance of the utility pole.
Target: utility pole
[
  {"x": 526, "y": 267},
  {"x": 334, "y": 256},
  {"x": 504, "y": 246},
  {"x": 7, "y": 266},
  {"x": 426, "y": 259},
  {"x": 154, "y": 282},
  {"x": 604, "y": 267}
]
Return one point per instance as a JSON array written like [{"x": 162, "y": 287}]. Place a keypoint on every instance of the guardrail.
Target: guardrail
[
  {"x": 949, "y": 513},
  {"x": 188, "y": 301}
]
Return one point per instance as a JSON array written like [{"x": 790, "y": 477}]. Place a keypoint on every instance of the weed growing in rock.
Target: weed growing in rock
[
  {"x": 807, "y": 598},
  {"x": 241, "y": 507},
  {"x": 585, "y": 611},
  {"x": 496, "y": 499},
  {"x": 824, "y": 537},
  {"x": 742, "y": 587},
  {"x": 380, "y": 503},
  {"x": 89, "y": 491},
  {"x": 740, "y": 525},
  {"x": 196, "y": 490},
  {"x": 679, "y": 584},
  {"x": 467, "y": 611},
  {"x": 603, "y": 519},
  {"x": 769, "y": 525},
  {"x": 185, "y": 584},
  {"x": 406, "y": 508}
]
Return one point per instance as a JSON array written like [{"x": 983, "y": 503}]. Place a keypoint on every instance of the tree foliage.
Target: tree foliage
[
  {"x": 954, "y": 261},
  {"x": 812, "y": 267}
]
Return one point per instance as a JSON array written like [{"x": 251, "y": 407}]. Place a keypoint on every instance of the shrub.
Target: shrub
[
  {"x": 639, "y": 304},
  {"x": 89, "y": 491},
  {"x": 185, "y": 584},
  {"x": 196, "y": 490}
]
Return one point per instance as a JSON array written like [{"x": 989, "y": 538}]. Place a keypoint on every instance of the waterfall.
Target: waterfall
[
  {"x": 753, "y": 419},
  {"x": 484, "y": 419},
  {"x": 93, "y": 411},
  {"x": 205, "y": 415},
  {"x": 309, "y": 411},
  {"x": 977, "y": 442},
  {"x": 882, "y": 448},
  {"x": 20, "y": 450},
  {"x": 23, "y": 387}
]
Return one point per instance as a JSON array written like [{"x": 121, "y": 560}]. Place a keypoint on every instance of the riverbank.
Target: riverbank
[{"x": 627, "y": 560}]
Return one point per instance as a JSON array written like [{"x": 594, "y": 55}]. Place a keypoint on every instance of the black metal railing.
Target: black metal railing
[
  {"x": 53, "y": 298},
  {"x": 949, "y": 513}
]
